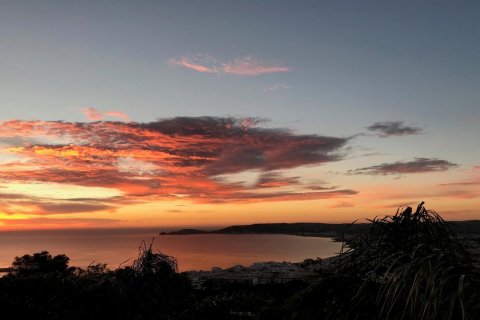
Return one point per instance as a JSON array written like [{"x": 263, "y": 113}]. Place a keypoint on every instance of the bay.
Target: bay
[{"x": 118, "y": 247}]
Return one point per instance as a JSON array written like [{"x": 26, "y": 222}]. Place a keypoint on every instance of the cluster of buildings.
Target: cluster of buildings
[{"x": 260, "y": 273}]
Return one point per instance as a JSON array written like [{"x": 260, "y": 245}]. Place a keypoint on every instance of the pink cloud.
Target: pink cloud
[
  {"x": 117, "y": 114},
  {"x": 92, "y": 114},
  {"x": 191, "y": 64},
  {"x": 242, "y": 66},
  {"x": 95, "y": 115}
]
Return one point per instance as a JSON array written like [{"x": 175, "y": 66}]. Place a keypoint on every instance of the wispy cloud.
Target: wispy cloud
[
  {"x": 95, "y": 115},
  {"x": 460, "y": 184},
  {"x": 341, "y": 204},
  {"x": 273, "y": 180},
  {"x": 463, "y": 189},
  {"x": 169, "y": 159},
  {"x": 393, "y": 128},
  {"x": 33, "y": 223},
  {"x": 467, "y": 193},
  {"x": 277, "y": 87},
  {"x": 12, "y": 203},
  {"x": 92, "y": 114},
  {"x": 117, "y": 114},
  {"x": 242, "y": 66},
  {"x": 419, "y": 165},
  {"x": 397, "y": 205}
]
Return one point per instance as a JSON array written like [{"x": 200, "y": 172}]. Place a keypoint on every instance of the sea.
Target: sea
[{"x": 120, "y": 247}]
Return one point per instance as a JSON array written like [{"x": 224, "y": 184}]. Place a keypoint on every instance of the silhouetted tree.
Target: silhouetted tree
[{"x": 40, "y": 262}]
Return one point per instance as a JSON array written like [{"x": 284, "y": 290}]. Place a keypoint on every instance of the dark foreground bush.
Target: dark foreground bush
[
  {"x": 407, "y": 266},
  {"x": 43, "y": 287}
]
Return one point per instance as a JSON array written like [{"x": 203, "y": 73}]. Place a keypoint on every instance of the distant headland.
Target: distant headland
[{"x": 313, "y": 229}]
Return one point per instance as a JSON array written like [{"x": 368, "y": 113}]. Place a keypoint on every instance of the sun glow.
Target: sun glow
[{"x": 59, "y": 191}]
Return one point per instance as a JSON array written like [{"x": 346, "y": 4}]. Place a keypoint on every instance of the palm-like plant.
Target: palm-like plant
[
  {"x": 407, "y": 266},
  {"x": 423, "y": 271},
  {"x": 149, "y": 261}
]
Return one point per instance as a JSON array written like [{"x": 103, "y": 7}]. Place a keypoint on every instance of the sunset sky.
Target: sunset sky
[{"x": 212, "y": 113}]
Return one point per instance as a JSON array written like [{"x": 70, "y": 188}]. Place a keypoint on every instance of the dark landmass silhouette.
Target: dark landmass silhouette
[
  {"x": 410, "y": 265},
  {"x": 314, "y": 229}
]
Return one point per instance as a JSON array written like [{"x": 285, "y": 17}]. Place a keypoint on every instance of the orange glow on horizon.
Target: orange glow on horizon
[{"x": 206, "y": 171}]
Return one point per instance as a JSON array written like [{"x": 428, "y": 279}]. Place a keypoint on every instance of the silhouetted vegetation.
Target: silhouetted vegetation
[
  {"x": 44, "y": 287},
  {"x": 407, "y": 266},
  {"x": 41, "y": 262}
]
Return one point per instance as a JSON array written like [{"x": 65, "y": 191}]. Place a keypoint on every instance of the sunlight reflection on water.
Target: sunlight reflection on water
[{"x": 194, "y": 252}]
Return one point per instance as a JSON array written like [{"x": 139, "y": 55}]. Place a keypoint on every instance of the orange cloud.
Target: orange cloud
[
  {"x": 341, "y": 204},
  {"x": 178, "y": 158},
  {"x": 56, "y": 223},
  {"x": 95, "y": 115}
]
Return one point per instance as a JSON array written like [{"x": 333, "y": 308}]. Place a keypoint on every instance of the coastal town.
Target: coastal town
[{"x": 261, "y": 273}]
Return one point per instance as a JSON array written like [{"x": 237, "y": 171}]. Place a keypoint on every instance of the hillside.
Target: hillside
[{"x": 312, "y": 229}]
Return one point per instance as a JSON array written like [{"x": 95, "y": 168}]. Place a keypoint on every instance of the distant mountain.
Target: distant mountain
[
  {"x": 183, "y": 232},
  {"x": 300, "y": 229},
  {"x": 311, "y": 229}
]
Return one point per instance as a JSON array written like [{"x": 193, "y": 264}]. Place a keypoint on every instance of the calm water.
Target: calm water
[{"x": 194, "y": 252}]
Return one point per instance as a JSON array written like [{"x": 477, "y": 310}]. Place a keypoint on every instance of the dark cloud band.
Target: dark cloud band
[
  {"x": 393, "y": 128},
  {"x": 419, "y": 165}
]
